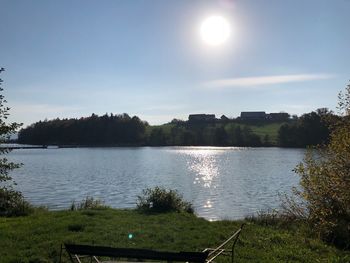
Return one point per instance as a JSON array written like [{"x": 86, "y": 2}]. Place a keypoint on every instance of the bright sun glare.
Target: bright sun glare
[{"x": 215, "y": 30}]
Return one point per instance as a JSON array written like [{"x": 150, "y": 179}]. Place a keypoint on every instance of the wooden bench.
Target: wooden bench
[{"x": 78, "y": 253}]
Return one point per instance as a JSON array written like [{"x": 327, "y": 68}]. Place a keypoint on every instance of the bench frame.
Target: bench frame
[
  {"x": 221, "y": 250},
  {"x": 78, "y": 252}
]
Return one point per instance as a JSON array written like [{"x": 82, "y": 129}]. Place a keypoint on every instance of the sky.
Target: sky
[{"x": 146, "y": 58}]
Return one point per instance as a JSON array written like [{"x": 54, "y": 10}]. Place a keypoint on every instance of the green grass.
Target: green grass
[
  {"x": 270, "y": 129},
  {"x": 37, "y": 238}
]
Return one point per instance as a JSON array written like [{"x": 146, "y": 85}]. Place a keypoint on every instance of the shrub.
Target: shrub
[
  {"x": 325, "y": 183},
  {"x": 88, "y": 203},
  {"x": 161, "y": 200},
  {"x": 12, "y": 203}
]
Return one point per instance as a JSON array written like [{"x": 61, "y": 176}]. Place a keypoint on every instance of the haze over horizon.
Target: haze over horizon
[{"x": 147, "y": 58}]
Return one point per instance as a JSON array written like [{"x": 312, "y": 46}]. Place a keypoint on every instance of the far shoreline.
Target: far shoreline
[{"x": 19, "y": 146}]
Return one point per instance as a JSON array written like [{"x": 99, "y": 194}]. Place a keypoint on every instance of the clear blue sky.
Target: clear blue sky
[{"x": 146, "y": 58}]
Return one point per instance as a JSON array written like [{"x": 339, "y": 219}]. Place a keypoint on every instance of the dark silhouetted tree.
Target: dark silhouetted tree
[
  {"x": 11, "y": 201},
  {"x": 310, "y": 129}
]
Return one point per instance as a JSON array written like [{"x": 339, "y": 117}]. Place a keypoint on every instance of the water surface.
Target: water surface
[{"x": 221, "y": 182}]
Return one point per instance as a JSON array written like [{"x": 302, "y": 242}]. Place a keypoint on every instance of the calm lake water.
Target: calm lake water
[{"x": 221, "y": 182}]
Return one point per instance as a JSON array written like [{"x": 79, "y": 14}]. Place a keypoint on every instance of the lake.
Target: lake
[{"x": 221, "y": 182}]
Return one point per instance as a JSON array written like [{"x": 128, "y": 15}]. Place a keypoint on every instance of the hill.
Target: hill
[{"x": 200, "y": 130}]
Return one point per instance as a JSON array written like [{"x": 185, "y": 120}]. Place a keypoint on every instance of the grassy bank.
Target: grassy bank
[{"x": 37, "y": 238}]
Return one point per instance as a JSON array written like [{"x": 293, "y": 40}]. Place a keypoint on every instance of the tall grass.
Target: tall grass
[{"x": 88, "y": 203}]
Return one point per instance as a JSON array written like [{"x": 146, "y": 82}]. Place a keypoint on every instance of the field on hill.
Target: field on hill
[
  {"x": 261, "y": 129},
  {"x": 270, "y": 129}
]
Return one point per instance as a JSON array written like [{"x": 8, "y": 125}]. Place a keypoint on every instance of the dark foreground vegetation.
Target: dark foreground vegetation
[
  {"x": 37, "y": 237},
  {"x": 123, "y": 130},
  {"x": 323, "y": 198},
  {"x": 162, "y": 221},
  {"x": 12, "y": 202}
]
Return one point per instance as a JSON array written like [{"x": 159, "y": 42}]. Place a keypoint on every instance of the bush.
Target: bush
[
  {"x": 12, "y": 203},
  {"x": 161, "y": 200},
  {"x": 325, "y": 183},
  {"x": 88, "y": 203}
]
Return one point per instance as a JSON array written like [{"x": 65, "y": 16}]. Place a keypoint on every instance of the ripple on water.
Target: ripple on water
[{"x": 221, "y": 182}]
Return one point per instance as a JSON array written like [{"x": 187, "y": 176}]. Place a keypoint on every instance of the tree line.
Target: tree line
[
  {"x": 122, "y": 130},
  {"x": 203, "y": 134},
  {"x": 312, "y": 128},
  {"x": 94, "y": 130}
]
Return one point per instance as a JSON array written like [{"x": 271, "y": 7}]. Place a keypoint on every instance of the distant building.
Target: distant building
[
  {"x": 224, "y": 118},
  {"x": 253, "y": 115},
  {"x": 201, "y": 117}
]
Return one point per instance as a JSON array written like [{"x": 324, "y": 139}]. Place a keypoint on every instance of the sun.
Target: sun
[{"x": 215, "y": 30}]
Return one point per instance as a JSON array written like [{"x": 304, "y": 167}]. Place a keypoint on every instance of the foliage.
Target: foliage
[
  {"x": 325, "y": 182},
  {"x": 94, "y": 130},
  {"x": 122, "y": 130},
  {"x": 203, "y": 133},
  {"x": 157, "y": 137},
  {"x": 88, "y": 203},
  {"x": 161, "y": 200},
  {"x": 12, "y": 202},
  {"x": 310, "y": 129}
]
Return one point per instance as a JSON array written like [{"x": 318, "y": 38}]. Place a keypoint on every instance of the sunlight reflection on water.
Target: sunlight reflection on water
[
  {"x": 227, "y": 177},
  {"x": 203, "y": 162}
]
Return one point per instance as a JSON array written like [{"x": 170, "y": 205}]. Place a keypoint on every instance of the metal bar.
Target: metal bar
[
  {"x": 227, "y": 252},
  {"x": 76, "y": 256},
  {"x": 212, "y": 258},
  {"x": 61, "y": 254},
  {"x": 228, "y": 240},
  {"x": 95, "y": 258},
  {"x": 70, "y": 257},
  {"x": 234, "y": 244}
]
